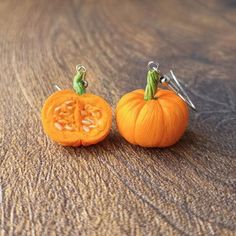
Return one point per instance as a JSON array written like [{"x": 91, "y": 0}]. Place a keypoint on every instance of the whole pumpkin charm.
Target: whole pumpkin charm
[
  {"x": 76, "y": 118},
  {"x": 154, "y": 117}
]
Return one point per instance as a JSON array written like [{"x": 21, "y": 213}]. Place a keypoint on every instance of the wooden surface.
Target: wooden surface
[{"x": 115, "y": 188}]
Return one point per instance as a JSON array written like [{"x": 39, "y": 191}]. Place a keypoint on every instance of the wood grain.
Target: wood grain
[{"x": 115, "y": 188}]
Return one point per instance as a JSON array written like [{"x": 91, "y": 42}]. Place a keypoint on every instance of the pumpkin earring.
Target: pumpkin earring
[
  {"x": 154, "y": 117},
  {"x": 74, "y": 118}
]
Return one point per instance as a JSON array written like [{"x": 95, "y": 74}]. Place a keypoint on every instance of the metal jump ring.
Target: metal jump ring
[
  {"x": 85, "y": 82},
  {"x": 153, "y": 65},
  {"x": 80, "y": 68}
]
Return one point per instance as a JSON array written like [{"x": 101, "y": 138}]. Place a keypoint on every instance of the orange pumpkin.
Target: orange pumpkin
[
  {"x": 152, "y": 118},
  {"x": 74, "y": 119}
]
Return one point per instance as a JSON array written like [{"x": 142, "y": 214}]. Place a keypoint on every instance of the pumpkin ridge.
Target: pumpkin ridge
[
  {"x": 177, "y": 103},
  {"x": 176, "y": 114},
  {"x": 137, "y": 119},
  {"x": 133, "y": 105},
  {"x": 128, "y": 98},
  {"x": 164, "y": 122}
]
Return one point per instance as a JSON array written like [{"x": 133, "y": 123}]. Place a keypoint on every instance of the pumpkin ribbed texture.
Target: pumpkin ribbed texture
[{"x": 158, "y": 122}]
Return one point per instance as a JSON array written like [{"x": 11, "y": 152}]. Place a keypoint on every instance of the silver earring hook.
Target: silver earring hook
[
  {"x": 186, "y": 98},
  {"x": 56, "y": 87},
  {"x": 177, "y": 88},
  {"x": 172, "y": 83}
]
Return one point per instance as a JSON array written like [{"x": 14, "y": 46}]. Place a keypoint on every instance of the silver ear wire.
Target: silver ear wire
[
  {"x": 173, "y": 83},
  {"x": 57, "y": 87},
  {"x": 186, "y": 98}
]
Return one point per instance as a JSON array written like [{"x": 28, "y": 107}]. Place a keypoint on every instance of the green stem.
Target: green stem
[
  {"x": 153, "y": 77},
  {"x": 79, "y": 82}
]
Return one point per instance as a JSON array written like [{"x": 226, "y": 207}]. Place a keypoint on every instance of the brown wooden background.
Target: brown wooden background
[{"x": 115, "y": 188}]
